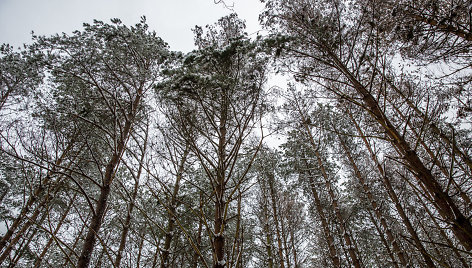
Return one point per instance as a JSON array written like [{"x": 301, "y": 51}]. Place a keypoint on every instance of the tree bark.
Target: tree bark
[
  {"x": 97, "y": 217},
  {"x": 395, "y": 199},
  {"x": 324, "y": 223},
  {"x": 460, "y": 224},
  {"x": 219, "y": 238},
  {"x": 375, "y": 207},
  {"x": 172, "y": 209}
]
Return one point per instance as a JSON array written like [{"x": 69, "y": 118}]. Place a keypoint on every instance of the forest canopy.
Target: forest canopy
[{"x": 116, "y": 151}]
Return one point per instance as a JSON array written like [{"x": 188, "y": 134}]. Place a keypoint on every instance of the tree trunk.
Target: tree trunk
[
  {"x": 431, "y": 124},
  {"x": 356, "y": 261},
  {"x": 97, "y": 217},
  {"x": 460, "y": 224},
  {"x": 382, "y": 238},
  {"x": 324, "y": 223},
  {"x": 196, "y": 255},
  {"x": 31, "y": 220},
  {"x": 172, "y": 209},
  {"x": 126, "y": 226},
  {"x": 38, "y": 261},
  {"x": 375, "y": 207},
  {"x": 35, "y": 196},
  {"x": 395, "y": 199},
  {"x": 434, "y": 159},
  {"x": 278, "y": 234}
]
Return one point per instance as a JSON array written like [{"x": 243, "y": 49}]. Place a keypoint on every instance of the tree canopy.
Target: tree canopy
[{"x": 117, "y": 152}]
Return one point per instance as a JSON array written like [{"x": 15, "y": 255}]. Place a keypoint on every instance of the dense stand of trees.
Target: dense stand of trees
[{"x": 117, "y": 152}]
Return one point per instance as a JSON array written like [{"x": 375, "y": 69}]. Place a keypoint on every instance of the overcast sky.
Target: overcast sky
[{"x": 171, "y": 19}]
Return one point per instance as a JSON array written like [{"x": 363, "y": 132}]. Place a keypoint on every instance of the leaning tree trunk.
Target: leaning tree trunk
[
  {"x": 431, "y": 154},
  {"x": 324, "y": 223},
  {"x": 97, "y": 217},
  {"x": 395, "y": 199},
  {"x": 382, "y": 238},
  {"x": 399, "y": 252},
  {"x": 46, "y": 247},
  {"x": 460, "y": 224},
  {"x": 351, "y": 249},
  {"x": 36, "y": 196}
]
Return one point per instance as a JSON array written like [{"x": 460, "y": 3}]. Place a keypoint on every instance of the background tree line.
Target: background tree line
[{"x": 117, "y": 152}]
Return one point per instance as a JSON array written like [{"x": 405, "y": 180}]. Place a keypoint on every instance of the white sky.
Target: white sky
[{"x": 171, "y": 19}]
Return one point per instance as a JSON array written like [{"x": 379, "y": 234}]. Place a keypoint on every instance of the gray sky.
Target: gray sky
[{"x": 171, "y": 19}]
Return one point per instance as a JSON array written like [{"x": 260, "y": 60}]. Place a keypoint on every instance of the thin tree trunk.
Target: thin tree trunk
[
  {"x": 172, "y": 209},
  {"x": 443, "y": 169},
  {"x": 432, "y": 125},
  {"x": 394, "y": 198},
  {"x": 235, "y": 254},
  {"x": 439, "y": 254},
  {"x": 76, "y": 242},
  {"x": 276, "y": 219},
  {"x": 35, "y": 196},
  {"x": 329, "y": 238},
  {"x": 140, "y": 249},
  {"x": 441, "y": 232},
  {"x": 99, "y": 211},
  {"x": 294, "y": 250},
  {"x": 460, "y": 224},
  {"x": 38, "y": 261},
  {"x": 127, "y": 224},
  {"x": 31, "y": 220},
  {"x": 375, "y": 207},
  {"x": 337, "y": 211},
  {"x": 198, "y": 242},
  {"x": 284, "y": 239},
  {"x": 382, "y": 238},
  {"x": 26, "y": 241},
  {"x": 270, "y": 258},
  {"x": 265, "y": 222},
  {"x": 347, "y": 238}
]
